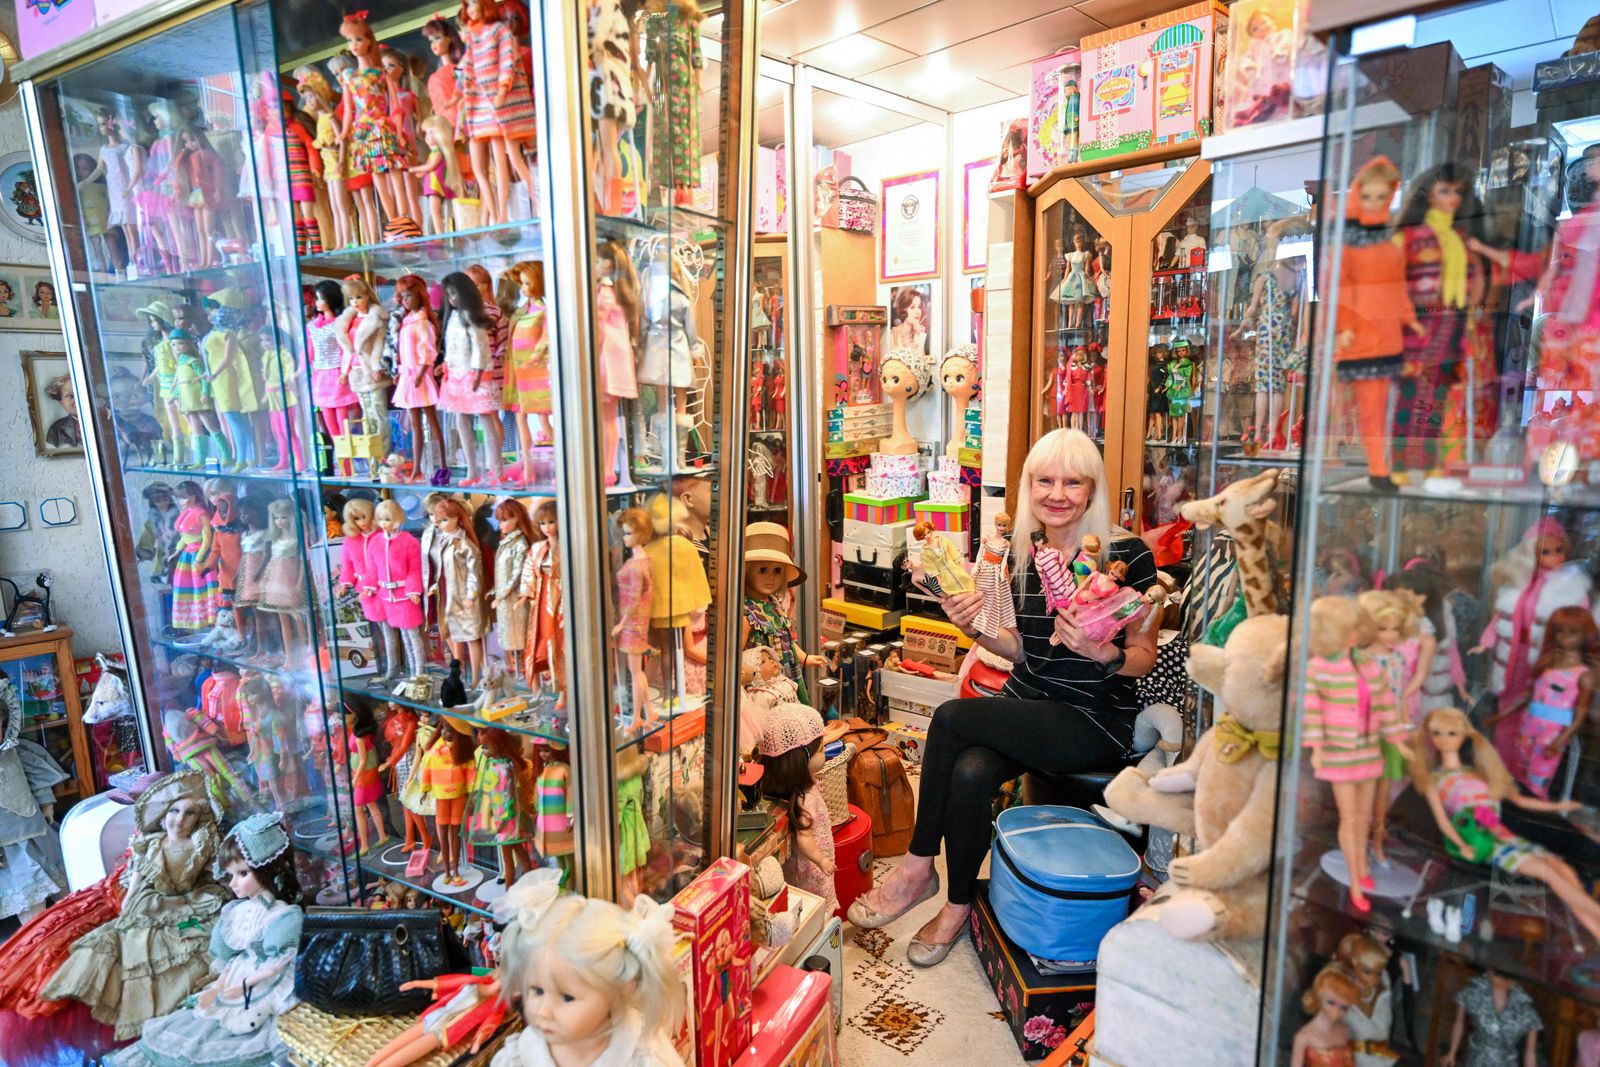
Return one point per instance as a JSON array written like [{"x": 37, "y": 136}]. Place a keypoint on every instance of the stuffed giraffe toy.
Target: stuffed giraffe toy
[{"x": 1242, "y": 509}]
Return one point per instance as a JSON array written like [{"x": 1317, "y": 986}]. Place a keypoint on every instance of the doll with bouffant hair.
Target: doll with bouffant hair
[
  {"x": 635, "y": 589},
  {"x": 1326, "y": 1041}
]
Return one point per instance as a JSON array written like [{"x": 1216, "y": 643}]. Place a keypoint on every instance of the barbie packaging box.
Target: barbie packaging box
[
  {"x": 1053, "y": 120},
  {"x": 1152, "y": 82},
  {"x": 44, "y": 26},
  {"x": 793, "y": 1021},
  {"x": 713, "y": 911}
]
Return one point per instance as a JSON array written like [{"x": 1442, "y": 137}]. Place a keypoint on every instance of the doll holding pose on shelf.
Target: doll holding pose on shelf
[
  {"x": 330, "y": 390},
  {"x": 355, "y": 573},
  {"x": 264, "y": 736},
  {"x": 1054, "y": 392},
  {"x": 1075, "y": 290},
  {"x": 305, "y": 173},
  {"x": 632, "y": 631},
  {"x": 232, "y": 379},
  {"x": 470, "y": 391},
  {"x": 360, "y": 331},
  {"x": 252, "y": 566},
  {"x": 456, "y": 576},
  {"x": 517, "y": 537},
  {"x": 667, "y": 361},
  {"x": 409, "y": 739},
  {"x": 944, "y": 571},
  {"x": 1400, "y": 649},
  {"x": 403, "y": 113},
  {"x": 1549, "y": 715},
  {"x": 527, "y": 389},
  {"x": 1326, "y": 1041},
  {"x": 541, "y": 590},
  {"x": 791, "y": 751},
  {"x": 500, "y": 803},
  {"x": 416, "y": 391},
  {"x": 445, "y": 774},
  {"x": 1079, "y": 400},
  {"x": 280, "y": 373},
  {"x": 366, "y": 784},
  {"x": 283, "y": 587},
  {"x": 369, "y": 131},
  {"x": 444, "y": 96},
  {"x": 496, "y": 115},
  {"x": 617, "y": 311},
  {"x": 194, "y": 585},
  {"x": 394, "y": 567},
  {"x": 440, "y": 173},
  {"x": 1505, "y": 1025},
  {"x": 611, "y": 99},
  {"x": 317, "y": 100}
]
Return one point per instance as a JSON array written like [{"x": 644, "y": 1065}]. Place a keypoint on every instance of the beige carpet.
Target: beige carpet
[{"x": 895, "y": 1013}]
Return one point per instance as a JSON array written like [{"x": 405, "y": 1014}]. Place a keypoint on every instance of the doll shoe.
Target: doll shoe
[
  {"x": 868, "y": 918},
  {"x": 468, "y": 483},
  {"x": 441, "y": 477}
]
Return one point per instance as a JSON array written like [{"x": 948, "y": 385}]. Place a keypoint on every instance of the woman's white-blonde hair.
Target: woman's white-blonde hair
[{"x": 1061, "y": 453}]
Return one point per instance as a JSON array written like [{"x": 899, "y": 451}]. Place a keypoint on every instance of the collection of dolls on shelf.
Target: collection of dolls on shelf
[{"x": 1267, "y": 352}]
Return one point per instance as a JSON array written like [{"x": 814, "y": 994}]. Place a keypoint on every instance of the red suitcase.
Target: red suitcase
[{"x": 852, "y": 858}]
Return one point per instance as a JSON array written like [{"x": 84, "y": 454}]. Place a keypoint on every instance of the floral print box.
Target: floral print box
[{"x": 1040, "y": 1009}]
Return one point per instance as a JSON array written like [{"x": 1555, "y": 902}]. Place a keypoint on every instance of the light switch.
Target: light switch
[{"x": 58, "y": 511}]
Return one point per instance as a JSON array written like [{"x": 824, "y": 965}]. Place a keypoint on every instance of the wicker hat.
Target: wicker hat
[
  {"x": 160, "y": 309},
  {"x": 788, "y": 726},
  {"x": 768, "y": 542}
]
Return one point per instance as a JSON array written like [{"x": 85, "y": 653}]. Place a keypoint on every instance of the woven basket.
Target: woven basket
[
  {"x": 834, "y": 778},
  {"x": 317, "y": 1039}
]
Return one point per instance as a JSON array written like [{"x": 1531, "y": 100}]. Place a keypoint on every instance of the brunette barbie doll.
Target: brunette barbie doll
[
  {"x": 527, "y": 390},
  {"x": 500, "y": 802},
  {"x": 369, "y": 130},
  {"x": 517, "y": 538},
  {"x": 541, "y": 589},
  {"x": 632, "y": 631},
  {"x": 365, "y": 781},
  {"x": 283, "y": 587},
  {"x": 416, "y": 391},
  {"x": 1326, "y": 1041},
  {"x": 360, "y": 333},
  {"x": 266, "y": 734},
  {"x": 1551, "y": 713},
  {"x": 1465, "y": 799},
  {"x": 409, "y": 739},
  {"x": 617, "y": 312},
  {"x": 330, "y": 390},
  {"x": 454, "y": 573},
  {"x": 496, "y": 116},
  {"x": 444, "y": 95},
  {"x": 470, "y": 390},
  {"x": 446, "y": 772},
  {"x": 394, "y": 567}
]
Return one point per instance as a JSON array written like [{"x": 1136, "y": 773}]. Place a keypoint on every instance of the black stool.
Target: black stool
[{"x": 1080, "y": 789}]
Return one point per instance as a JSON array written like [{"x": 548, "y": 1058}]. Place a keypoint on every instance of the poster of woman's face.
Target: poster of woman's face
[
  {"x": 28, "y": 299},
  {"x": 910, "y": 312},
  {"x": 52, "y": 405}
]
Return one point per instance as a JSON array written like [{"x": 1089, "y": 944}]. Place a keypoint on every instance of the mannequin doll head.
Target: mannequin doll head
[
  {"x": 389, "y": 516},
  {"x": 255, "y": 857},
  {"x": 958, "y": 374},
  {"x": 637, "y": 529},
  {"x": 905, "y": 374},
  {"x": 1396, "y": 615},
  {"x": 1373, "y": 192},
  {"x": 1338, "y": 624},
  {"x": 443, "y": 40},
  {"x": 358, "y": 515}
]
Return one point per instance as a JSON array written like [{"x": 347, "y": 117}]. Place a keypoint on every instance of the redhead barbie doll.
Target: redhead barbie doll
[
  {"x": 496, "y": 116},
  {"x": 541, "y": 588},
  {"x": 444, "y": 95},
  {"x": 632, "y": 631},
  {"x": 369, "y": 130},
  {"x": 517, "y": 537},
  {"x": 408, "y": 740},
  {"x": 1549, "y": 715},
  {"x": 446, "y": 774},
  {"x": 360, "y": 332},
  {"x": 455, "y": 567},
  {"x": 416, "y": 391},
  {"x": 527, "y": 390},
  {"x": 470, "y": 390},
  {"x": 617, "y": 310},
  {"x": 440, "y": 173}
]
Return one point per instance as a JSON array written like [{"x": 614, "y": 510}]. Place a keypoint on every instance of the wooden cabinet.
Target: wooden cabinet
[{"x": 54, "y": 646}]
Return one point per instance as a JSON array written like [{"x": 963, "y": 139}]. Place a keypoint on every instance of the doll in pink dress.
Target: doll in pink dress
[
  {"x": 330, "y": 392},
  {"x": 1078, "y": 398},
  {"x": 470, "y": 390},
  {"x": 403, "y": 114},
  {"x": 616, "y": 307},
  {"x": 496, "y": 116},
  {"x": 394, "y": 567},
  {"x": 634, "y": 590},
  {"x": 444, "y": 94},
  {"x": 158, "y": 187},
  {"x": 416, "y": 391},
  {"x": 440, "y": 173}
]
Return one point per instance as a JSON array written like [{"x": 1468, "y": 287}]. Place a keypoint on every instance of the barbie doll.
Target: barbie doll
[
  {"x": 958, "y": 374},
  {"x": 158, "y": 197},
  {"x": 201, "y": 172},
  {"x": 369, "y": 130},
  {"x": 409, "y": 739},
  {"x": 541, "y": 590},
  {"x": 194, "y": 586},
  {"x": 264, "y": 731},
  {"x": 360, "y": 333},
  {"x": 1326, "y": 1040},
  {"x": 678, "y": 587},
  {"x": 446, "y": 773},
  {"x": 470, "y": 391},
  {"x": 1274, "y": 312},
  {"x": 1398, "y": 647},
  {"x": 355, "y": 573},
  {"x": 305, "y": 172},
  {"x": 403, "y": 112},
  {"x": 317, "y": 100},
  {"x": 330, "y": 389},
  {"x": 1550, "y": 715},
  {"x": 670, "y": 40},
  {"x": 283, "y": 587},
  {"x": 499, "y": 325},
  {"x": 666, "y": 362},
  {"x": 112, "y": 162},
  {"x": 365, "y": 781},
  {"x": 527, "y": 390},
  {"x": 1465, "y": 800},
  {"x": 496, "y": 107},
  {"x": 444, "y": 96},
  {"x": 416, "y": 391},
  {"x": 394, "y": 567},
  {"x": 634, "y": 594},
  {"x": 944, "y": 571},
  {"x": 280, "y": 375},
  {"x": 1505, "y": 1025},
  {"x": 440, "y": 173},
  {"x": 1075, "y": 290},
  {"x": 252, "y": 566},
  {"x": 453, "y": 572},
  {"x": 232, "y": 380},
  {"x": 617, "y": 314},
  {"x": 500, "y": 802},
  {"x": 907, "y": 374},
  {"x": 510, "y": 558},
  {"x": 1156, "y": 428},
  {"x": 1079, "y": 402},
  {"x": 1055, "y": 391},
  {"x": 1365, "y": 961},
  {"x": 1180, "y": 390},
  {"x": 611, "y": 101}
]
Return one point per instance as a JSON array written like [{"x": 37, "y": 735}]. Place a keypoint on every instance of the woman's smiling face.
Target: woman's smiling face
[{"x": 1059, "y": 499}]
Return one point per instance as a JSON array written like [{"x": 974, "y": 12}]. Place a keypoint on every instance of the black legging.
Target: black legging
[{"x": 976, "y": 745}]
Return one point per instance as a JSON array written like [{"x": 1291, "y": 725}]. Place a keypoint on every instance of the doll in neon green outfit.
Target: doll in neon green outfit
[
  {"x": 191, "y": 387},
  {"x": 233, "y": 389}
]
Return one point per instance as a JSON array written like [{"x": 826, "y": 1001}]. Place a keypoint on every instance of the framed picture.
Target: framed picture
[
  {"x": 28, "y": 299},
  {"x": 910, "y": 248},
  {"x": 975, "y": 215},
  {"x": 52, "y": 405},
  {"x": 910, "y": 316},
  {"x": 20, "y": 209}
]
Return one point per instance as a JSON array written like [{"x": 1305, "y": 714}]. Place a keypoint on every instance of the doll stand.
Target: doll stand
[
  {"x": 1394, "y": 881},
  {"x": 490, "y": 891},
  {"x": 394, "y": 856},
  {"x": 472, "y": 875},
  {"x": 312, "y": 827}
]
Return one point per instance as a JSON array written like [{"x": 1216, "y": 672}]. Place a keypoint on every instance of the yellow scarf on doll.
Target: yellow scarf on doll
[{"x": 1453, "y": 258}]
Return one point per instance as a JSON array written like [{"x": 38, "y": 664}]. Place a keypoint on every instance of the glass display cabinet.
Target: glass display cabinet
[
  {"x": 770, "y": 373},
  {"x": 453, "y": 466},
  {"x": 1450, "y": 460}
]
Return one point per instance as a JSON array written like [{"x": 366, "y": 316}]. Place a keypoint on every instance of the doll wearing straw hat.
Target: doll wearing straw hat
[{"x": 769, "y": 569}]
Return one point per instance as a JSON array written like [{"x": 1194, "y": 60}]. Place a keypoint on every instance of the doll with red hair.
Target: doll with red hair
[
  {"x": 1547, "y": 716},
  {"x": 496, "y": 106}
]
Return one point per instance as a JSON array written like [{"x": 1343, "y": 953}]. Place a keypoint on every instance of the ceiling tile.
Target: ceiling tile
[
  {"x": 1114, "y": 13},
  {"x": 1570, "y": 17},
  {"x": 1018, "y": 79},
  {"x": 769, "y": 91},
  {"x": 939, "y": 71},
  {"x": 947, "y": 22},
  {"x": 968, "y": 95},
  {"x": 1485, "y": 28},
  {"x": 802, "y": 25},
  {"x": 855, "y": 55},
  {"x": 769, "y": 126}
]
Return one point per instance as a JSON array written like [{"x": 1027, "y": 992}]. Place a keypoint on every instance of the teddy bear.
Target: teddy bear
[{"x": 1223, "y": 795}]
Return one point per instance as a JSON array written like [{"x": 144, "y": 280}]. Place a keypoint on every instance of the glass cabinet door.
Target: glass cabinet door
[{"x": 1075, "y": 319}]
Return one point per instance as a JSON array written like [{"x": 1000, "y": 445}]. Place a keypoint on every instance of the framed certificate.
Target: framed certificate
[
  {"x": 975, "y": 215},
  {"x": 910, "y": 227}
]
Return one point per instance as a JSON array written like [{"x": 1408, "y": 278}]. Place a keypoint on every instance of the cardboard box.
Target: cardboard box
[
  {"x": 905, "y": 737},
  {"x": 868, "y": 618},
  {"x": 915, "y": 689},
  {"x": 683, "y": 959},
  {"x": 1056, "y": 92},
  {"x": 877, "y": 509},
  {"x": 1152, "y": 82},
  {"x": 933, "y": 641},
  {"x": 1040, "y": 1009},
  {"x": 713, "y": 911},
  {"x": 793, "y": 1021}
]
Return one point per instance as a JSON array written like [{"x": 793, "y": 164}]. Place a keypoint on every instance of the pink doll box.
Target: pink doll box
[
  {"x": 950, "y": 518},
  {"x": 1057, "y": 84},
  {"x": 1151, "y": 82},
  {"x": 793, "y": 1021},
  {"x": 880, "y": 511},
  {"x": 713, "y": 911},
  {"x": 1265, "y": 38},
  {"x": 857, "y": 333},
  {"x": 683, "y": 960},
  {"x": 887, "y": 464}
]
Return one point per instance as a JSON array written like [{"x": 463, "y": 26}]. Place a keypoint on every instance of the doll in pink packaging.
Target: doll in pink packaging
[
  {"x": 360, "y": 331},
  {"x": 496, "y": 116},
  {"x": 634, "y": 591},
  {"x": 470, "y": 391},
  {"x": 416, "y": 391},
  {"x": 394, "y": 568},
  {"x": 617, "y": 307}
]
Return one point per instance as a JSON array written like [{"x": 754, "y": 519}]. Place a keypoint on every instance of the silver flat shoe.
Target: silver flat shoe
[
  {"x": 869, "y": 919},
  {"x": 920, "y": 953}
]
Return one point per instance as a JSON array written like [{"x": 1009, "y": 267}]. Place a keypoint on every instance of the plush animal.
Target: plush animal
[
  {"x": 1158, "y": 733},
  {"x": 452, "y": 692},
  {"x": 1222, "y": 795},
  {"x": 110, "y": 697},
  {"x": 1242, "y": 509}
]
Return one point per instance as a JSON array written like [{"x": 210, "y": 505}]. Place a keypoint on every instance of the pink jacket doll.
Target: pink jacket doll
[
  {"x": 355, "y": 571},
  {"x": 394, "y": 566}
]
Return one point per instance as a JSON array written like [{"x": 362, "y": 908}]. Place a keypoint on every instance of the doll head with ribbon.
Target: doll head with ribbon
[
  {"x": 579, "y": 968},
  {"x": 255, "y": 858}
]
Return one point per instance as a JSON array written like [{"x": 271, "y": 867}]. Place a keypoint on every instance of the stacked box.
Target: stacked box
[
  {"x": 895, "y": 476},
  {"x": 944, "y": 484},
  {"x": 890, "y": 535},
  {"x": 856, "y": 429},
  {"x": 1040, "y": 1009},
  {"x": 868, "y": 618},
  {"x": 1053, "y": 123},
  {"x": 864, "y": 507},
  {"x": 713, "y": 911},
  {"x": 972, "y": 431},
  {"x": 951, "y": 518},
  {"x": 935, "y": 642},
  {"x": 908, "y": 738}
]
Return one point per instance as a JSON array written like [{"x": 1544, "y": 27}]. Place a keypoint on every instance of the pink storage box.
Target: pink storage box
[
  {"x": 713, "y": 911},
  {"x": 951, "y": 518},
  {"x": 793, "y": 1021}
]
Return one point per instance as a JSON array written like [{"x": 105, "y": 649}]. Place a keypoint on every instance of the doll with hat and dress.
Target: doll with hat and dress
[
  {"x": 790, "y": 753},
  {"x": 770, "y": 572}
]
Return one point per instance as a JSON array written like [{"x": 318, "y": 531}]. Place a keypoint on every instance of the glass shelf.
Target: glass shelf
[
  {"x": 203, "y": 278},
  {"x": 233, "y": 660},
  {"x": 341, "y": 482},
  {"x": 216, "y": 470},
  {"x": 1571, "y": 497},
  {"x": 510, "y": 241}
]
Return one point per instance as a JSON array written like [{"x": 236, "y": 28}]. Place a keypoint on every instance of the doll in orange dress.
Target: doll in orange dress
[
  {"x": 1326, "y": 1041},
  {"x": 541, "y": 585}
]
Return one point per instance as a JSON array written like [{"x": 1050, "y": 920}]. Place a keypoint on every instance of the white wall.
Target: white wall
[{"x": 73, "y": 554}]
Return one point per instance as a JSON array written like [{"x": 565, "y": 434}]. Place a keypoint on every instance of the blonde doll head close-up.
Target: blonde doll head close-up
[
  {"x": 1338, "y": 624},
  {"x": 1396, "y": 614}
]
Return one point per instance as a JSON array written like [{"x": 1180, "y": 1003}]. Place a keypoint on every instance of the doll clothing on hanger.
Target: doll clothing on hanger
[
  {"x": 669, "y": 340},
  {"x": 671, "y": 41}
]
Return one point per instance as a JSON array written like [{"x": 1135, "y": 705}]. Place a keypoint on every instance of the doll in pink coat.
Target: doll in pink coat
[
  {"x": 394, "y": 567},
  {"x": 354, "y": 569}
]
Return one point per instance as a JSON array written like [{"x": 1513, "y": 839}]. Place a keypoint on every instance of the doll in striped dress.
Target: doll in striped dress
[
  {"x": 1349, "y": 706},
  {"x": 496, "y": 113}
]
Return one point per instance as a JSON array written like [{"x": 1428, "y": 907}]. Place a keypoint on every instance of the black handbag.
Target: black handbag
[{"x": 353, "y": 961}]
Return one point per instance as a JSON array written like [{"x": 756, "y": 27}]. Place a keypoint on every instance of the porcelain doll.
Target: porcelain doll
[
  {"x": 517, "y": 538},
  {"x": 618, "y": 311},
  {"x": 944, "y": 571},
  {"x": 500, "y": 802},
  {"x": 394, "y": 569},
  {"x": 360, "y": 331},
  {"x": 355, "y": 574},
  {"x": 1505, "y": 1025},
  {"x": 666, "y": 362},
  {"x": 1466, "y": 798},
  {"x": 233, "y": 1020},
  {"x": 470, "y": 391},
  {"x": 1326, "y": 1041},
  {"x": 31, "y": 869},
  {"x": 444, "y": 95},
  {"x": 317, "y": 100},
  {"x": 906, "y": 373},
  {"x": 769, "y": 573},
  {"x": 958, "y": 375},
  {"x": 1075, "y": 290},
  {"x": 453, "y": 573},
  {"x": 283, "y": 586},
  {"x": 368, "y": 131},
  {"x": 495, "y": 116},
  {"x": 144, "y": 962},
  {"x": 366, "y": 782},
  {"x": 194, "y": 585},
  {"x": 540, "y": 589},
  {"x": 634, "y": 597},
  {"x": 1399, "y": 647},
  {"x": 409, "y": 739},
  {"x": 1549, "y": 715},
  {"x": 594, "y": 981},
  {"x": 446, "y": 773},
  {"x": 1348, "y": 707},
  {"x": 439, "y": 172},
  {"x": 416, "y": 390},
  {"x": 229, "y": 374},
  {"x": 527, "y": 389},
  {"x": 611, "y": 105}
]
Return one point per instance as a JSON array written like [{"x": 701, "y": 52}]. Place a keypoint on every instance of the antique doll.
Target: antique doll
[
  {"x": 304, "y": 163},
  {"x": 317, "y": 100},
  {"x": 1055, "y": 389},
  {"x": 611, "y": 62},
  {"x": 446, "y": 773},
  {"x": 670, "y": 44},
  {"x": 765, "y": 684},
  {"x": 527, "y": 388},
  {"x": 770, "y": 571},
  {"x": 30, "y": 854},
  {"x": 1550, "y": 715},
  {"x": 1505, "y": 1025},
  {"x": 1398, "y": 647},
  {"x": 1348, "y": 707},
  {"x": 634, "y": 597},
  {"x": 439, "y": 172},
  {"x": 453, "y": 573},
  {"x": 790, "y": 750},
  {"x": 500, "y": 802},
  {"x": 678, "y": 587},
  {"x": 232, "y": 1022},
  {"x": 231, "y": 378},
  {"x": 617, "y": 312},
  {"x": 470, "y": 390},
  {"x": 409, "y": 739},
  {"x": 666, "y": 362},
  {"x": 394, "y": 569},
  {"x": 330, "y": 389},
  {"x": 283, "y": 588},
  {"x": 1326, "y": 1040},
  {"x": 396, "y": 67},
  {"x": 359, "y": 331},
  {"x": 365, "y": 781},
  {"x": 540, "y": 588},
  {"x": 958, "y": 375},
  {"x": 444, "y": 96},
  {"x": 906, "y": 373},
  {"x": 368, "y": 131},
  {"x": 150, "y": 957},
  {"x": 1365, "y": 961},
  {"x": 944, "y": 571},
  {"x": 496, "y": 116},
  {"x": 355, "y": 574},
  {"x": 1465, "y": 800},
  {"x": 517, "y": 538},
  {"x": 195, "y": 595},
  {"x": 1075, "y": 290},
  {"x": 416, "y": 390}
]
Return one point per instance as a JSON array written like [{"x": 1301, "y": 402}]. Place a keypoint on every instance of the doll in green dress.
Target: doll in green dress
[
  {"x": 1180, "y": 390},
  {"x": 500, "y": 802},
  {"x": 191, "y": 387}
]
